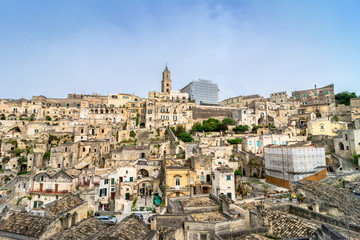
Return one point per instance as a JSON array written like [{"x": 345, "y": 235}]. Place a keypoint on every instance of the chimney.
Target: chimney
[{"x": 153, "y": 223}]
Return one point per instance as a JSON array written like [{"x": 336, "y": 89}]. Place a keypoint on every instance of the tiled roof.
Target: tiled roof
[
  {"x": 252, "y": 237},
  {"x": 284, "y": 226},
  {"x": 26, "y": 225},
  {"x": 132, "y": 227},
  {"x": 203, "y": 201},
  {"x": 334, "y": 196},
  {"x": 208, "y": 217},
  {"x": 63, "y": 205},
  {"x": 82, "y": 230}
]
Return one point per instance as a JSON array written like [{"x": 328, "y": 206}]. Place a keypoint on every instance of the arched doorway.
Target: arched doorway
[
  {"x": 142, "y": 173},
  {"x": 341, "y": 146}
]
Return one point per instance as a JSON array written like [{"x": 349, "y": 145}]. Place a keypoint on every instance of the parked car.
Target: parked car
[
  {"x": 107, "y": 219},
  {"x": 140, "y": 216}
]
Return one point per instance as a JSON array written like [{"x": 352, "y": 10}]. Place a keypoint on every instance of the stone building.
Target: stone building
[
  {"x": 347, "y": 143},
  {"x": 355, "y": 108},
  {"x": 314, "y": 97},
  {"x": 47, "y": 187},
  {"x": 160, "y": 113},
  {"x": 178, "y": 180},
  {"x": 279, "y": 97},
  {"x": 325, "y": 126},
  {"x": 224, "y": 182}
]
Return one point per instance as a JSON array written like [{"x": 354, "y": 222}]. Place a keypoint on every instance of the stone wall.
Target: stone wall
[{"x": 203, "y": 113}]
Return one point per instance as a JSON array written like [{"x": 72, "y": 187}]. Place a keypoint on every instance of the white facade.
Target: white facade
[
  {"x": 293, "y": 163},
  {"x": 224, "y": 182}
]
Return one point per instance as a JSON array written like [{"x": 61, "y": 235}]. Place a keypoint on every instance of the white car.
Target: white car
[{"x": 107, "y": 219}]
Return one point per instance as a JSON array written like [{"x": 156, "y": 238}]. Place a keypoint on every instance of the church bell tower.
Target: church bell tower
[{"x": 166, "y": 81}]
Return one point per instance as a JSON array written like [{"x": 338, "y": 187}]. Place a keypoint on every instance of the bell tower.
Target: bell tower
[{"x": 166, "y": 81}]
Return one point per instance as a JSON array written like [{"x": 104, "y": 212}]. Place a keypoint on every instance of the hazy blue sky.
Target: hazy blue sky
[{"x": 53, "y": 47}]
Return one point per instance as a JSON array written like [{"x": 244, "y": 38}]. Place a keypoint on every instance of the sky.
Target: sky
[{"x": 57, "y": 47}]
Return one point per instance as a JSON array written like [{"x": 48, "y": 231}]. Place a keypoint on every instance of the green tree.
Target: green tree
[
  {"x": 336, "y": 118},
  {"x": 48, "y": 118},
  {"x": 344, "y": 97},
  {"x": 234, "y": 141},
  {"x": 197, "y": 127},
  {"x": 227, "y": 121},
  {"x": 179, "y": 129},
  {"x": 185, "y": 137},
  {"x": 3, "y": 117},
  {"x": 241, "y": 129},
  {"x": 132, "y": 134}
]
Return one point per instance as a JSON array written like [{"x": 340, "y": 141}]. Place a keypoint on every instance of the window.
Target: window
[
  {"x": 106, "y": 181},
  {"x": 202, "y": 178},
  {"x": 274, "y": 142},
  {"x": 83, "y": 149},
  {"x": 257, "y": 143},
  {"x": 202, "y": 163},
  {"x": 203, "y": 237},
  {"x": 346, "y": 137},
  {"x": 177, "y": 181},
  {"x": 283, "y": 143},
  {"x": 67, "y": 105},
  {"x": 304, "y": 95},
  {"x": 103, "y": 192},
  {"x": 297, "y": 96},
  {"x": 315, "y": 94},
  {"x": 36, "y": 130},
  {"x": 150, "y": 111},
  {"x": 229, "y": 194},
  {"x": 126, "y": 172},
  {"x": 175, "y": 117},
  {"x": 250, "y": 143},
  {"x": 327, "y": 93},
  {"x": 228, "y": 177},
  {"x": 191, "y": 180},
  {"x": 131, "y": 179},
  {"x": 112, "y": 181}
]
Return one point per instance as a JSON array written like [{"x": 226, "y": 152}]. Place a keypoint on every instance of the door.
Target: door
[
  {"x": 208, "y": 178},
  {"x": 56, "y": 187},
  {"x": 41, "y": 187},
  {"x": 127, "y": 196},
  {"x": 120, "y": 179},
  {"x": 112, "y": 195}
]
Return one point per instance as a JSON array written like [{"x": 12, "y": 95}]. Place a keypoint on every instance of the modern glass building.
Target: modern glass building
[{"x": 203, "y": 92}]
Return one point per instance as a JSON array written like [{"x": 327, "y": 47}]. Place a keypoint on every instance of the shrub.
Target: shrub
[
  {"x": 48, "y": 118},
  {"x": 238, "y": 172},
  {"x": 46, "y": 155},
  {"x": 336, "y": 118},
  {"x": 356, "y": 159}
]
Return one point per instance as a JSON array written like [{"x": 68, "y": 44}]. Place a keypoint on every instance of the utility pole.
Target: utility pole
[{"x": 346, "y": 215}]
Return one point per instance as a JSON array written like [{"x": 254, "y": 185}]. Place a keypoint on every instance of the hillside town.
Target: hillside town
[{"x": 181, "y": 165}]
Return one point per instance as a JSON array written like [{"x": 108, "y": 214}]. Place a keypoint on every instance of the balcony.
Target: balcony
[
  {"x": 50, "y": 192},
  {"x": 177, "y": 189}
]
